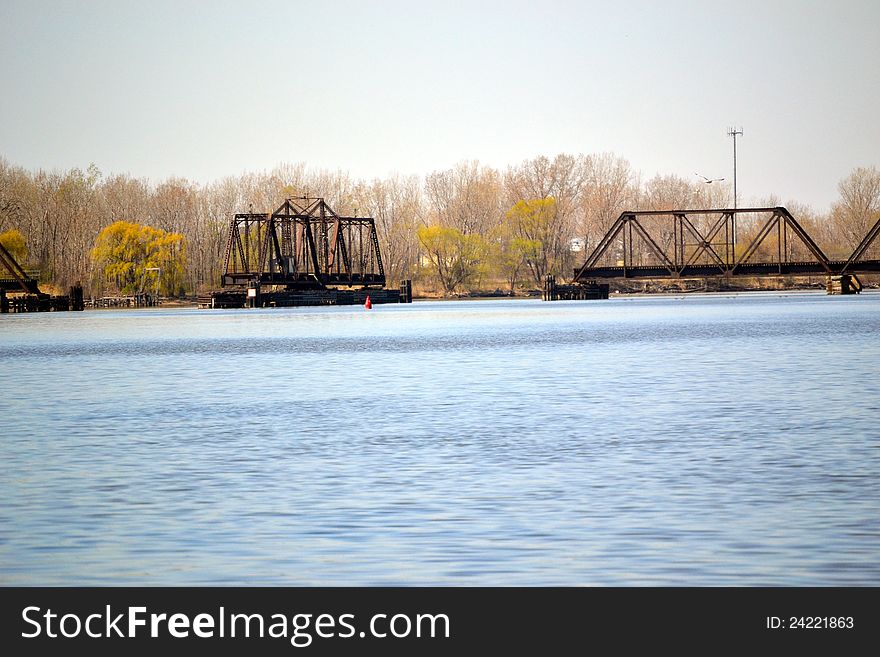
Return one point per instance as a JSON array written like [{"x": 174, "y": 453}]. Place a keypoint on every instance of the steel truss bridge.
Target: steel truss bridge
[
  {"x": 303, "y": 245},
  {"x": 723, "y": 242},
  {"x": 13, "y": 277}
]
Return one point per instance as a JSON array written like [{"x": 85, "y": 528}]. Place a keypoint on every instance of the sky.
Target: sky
[{"x": 204, "y": 90}]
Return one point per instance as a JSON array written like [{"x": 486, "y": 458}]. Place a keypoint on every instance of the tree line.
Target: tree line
[{"x": 471, "y": 226}]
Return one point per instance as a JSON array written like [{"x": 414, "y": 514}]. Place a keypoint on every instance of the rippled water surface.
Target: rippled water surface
[{"x": 697, "y": 440}]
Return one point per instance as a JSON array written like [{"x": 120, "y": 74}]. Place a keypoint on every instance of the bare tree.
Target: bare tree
[
  {"x": 669, "y": 193},
  {"x": 122, "y": 198},
  {"x": 611, "y": 188},
  {"x": 467, "y": 198},
  {"x": 859, "y": 206},
  {"x": 10, "y": 208},
  {"x": 395, "y": 204}
]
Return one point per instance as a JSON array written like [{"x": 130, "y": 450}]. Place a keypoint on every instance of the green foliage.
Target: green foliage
[
  {"x": 455, "y": 258},
  {"x": 510, "y": 252},
  {"x": 14, "y": 242},
  {"x": 532, "y": 225},
  {"x": 127, "y": 255}
]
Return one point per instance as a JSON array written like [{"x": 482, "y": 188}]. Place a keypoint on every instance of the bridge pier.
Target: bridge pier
[
  {"x": 406, "y": 291},
  {"x": 843, "y": 284},
  {"x": 581, "y": 291},
  {"x": 75, "y": 298}
]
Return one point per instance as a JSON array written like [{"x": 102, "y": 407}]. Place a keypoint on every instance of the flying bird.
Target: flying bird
[{"x": 708, "y": 181}]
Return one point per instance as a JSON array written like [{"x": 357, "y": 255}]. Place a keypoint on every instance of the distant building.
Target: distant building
[{"x": 577, "y": 244}]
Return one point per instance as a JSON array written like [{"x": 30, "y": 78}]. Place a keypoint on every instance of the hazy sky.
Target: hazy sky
[{"x": 208, "y": 89}]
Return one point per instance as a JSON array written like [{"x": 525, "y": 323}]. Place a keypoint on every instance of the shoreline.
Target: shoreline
[{"x": 193, "y": 304}]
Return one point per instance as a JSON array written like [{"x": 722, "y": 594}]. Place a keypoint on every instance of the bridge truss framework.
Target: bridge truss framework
[
  {"x": 303, "y": 245},
  {"x": 716, "y": 242}
]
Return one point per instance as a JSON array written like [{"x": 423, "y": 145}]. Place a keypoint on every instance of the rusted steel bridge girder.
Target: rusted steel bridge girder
[
  {"x": 17, "y": 278},
  {"x": 715, "y": 242},
  {"x": 303, "y": 245}
]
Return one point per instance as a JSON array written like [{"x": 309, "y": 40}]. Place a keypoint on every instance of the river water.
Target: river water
[{"x": 690, "y": 440}]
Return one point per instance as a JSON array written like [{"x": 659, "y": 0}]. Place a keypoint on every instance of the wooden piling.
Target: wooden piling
[
  {"x": 843, "y": 284},
  {"x": 553, "y": 291}
]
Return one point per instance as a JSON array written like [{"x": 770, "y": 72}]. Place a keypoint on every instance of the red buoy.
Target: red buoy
[{"x": 368, "y": 304}]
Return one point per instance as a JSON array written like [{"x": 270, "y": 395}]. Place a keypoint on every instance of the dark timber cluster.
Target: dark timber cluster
[
  {"x": 306, "y": 254},
  {"x": 745, "y": 242}
]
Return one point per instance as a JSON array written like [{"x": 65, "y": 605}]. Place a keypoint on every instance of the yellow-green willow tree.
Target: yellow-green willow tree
[
  {"x": 454, "y": 257},
  {"x": 535, "y": 222},
  {"x": 14, "y": 242},
  {"x": 130, "y": 256}
]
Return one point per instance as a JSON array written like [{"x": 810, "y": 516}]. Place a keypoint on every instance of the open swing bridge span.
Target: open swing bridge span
[
  {"x": 303, "y": 254},
  {"x": 24, "y": 291},
  {"x": 303, "y": 245}
]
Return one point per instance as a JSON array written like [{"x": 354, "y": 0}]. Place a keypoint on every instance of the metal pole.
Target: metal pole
[
  {"x": 733, "y": 132},
  {"x": 734, "y": 171}
]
